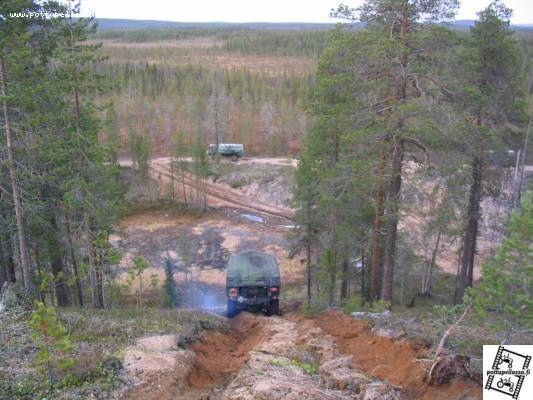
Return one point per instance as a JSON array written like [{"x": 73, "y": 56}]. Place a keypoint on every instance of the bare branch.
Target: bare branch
[
  {"x": 438, "y": 84},
  {"x": 449, "y": 331},
  {"x": 420, "y": 145}
]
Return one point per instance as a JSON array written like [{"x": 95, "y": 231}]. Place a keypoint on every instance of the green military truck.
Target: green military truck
[
  {"x": 231, "y": 150},
  {"x": 253, "y": 283}
]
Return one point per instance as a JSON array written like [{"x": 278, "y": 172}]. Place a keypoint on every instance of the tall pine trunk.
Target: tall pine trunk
[
  {"x": 55, "y": 250},
  {"x": 19, "y": 217},
  {"x": 74, "y": 261},
  {"x": 396, "y": 171},
  {"x": 344, "y": 280},
  {"x": 392, "y": 220},
  {"x": 94, "y": 270},
  {"x": 333, "y": 264},
  {"x": 376, "y": 245},
  {"x": 465, "y": 276}
]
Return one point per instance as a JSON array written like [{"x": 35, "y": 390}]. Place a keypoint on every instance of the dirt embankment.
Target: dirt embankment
[
  {"x": 160, "y": 369},
  {"x": 396, "y": 362},
  {"x": 326, "y": 356}
]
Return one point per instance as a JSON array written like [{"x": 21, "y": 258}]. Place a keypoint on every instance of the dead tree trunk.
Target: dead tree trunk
[
  {"x": 309, "y": 281},
  {"x": 428, "y": 275},
  {"x": 3, "y": 270},
  {"x": 392, "y": 220},
  {"x": 19, "y": 217},
  {"x": 521, "y": 166},
  {"x": 172, "y": 190},
  {"x": 469, "y": 241},
  {"x": 363, "y": 275}
]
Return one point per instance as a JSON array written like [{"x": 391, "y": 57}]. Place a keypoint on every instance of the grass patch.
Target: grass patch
[
  {"x": 310, "y": 368},
  {"x": 355, "y": 304},
  {"x": 238, "y": 183},
  {"x": 122, "y": 325}
]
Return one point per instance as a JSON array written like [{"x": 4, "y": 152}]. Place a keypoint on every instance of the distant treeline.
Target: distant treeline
[
  {"x": 151, "y": 35},
  {"x": 309, "y": 42}
]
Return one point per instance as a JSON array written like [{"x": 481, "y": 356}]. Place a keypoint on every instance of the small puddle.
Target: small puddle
[
  {"x": 252, "y": 217},
  {"x": 289, "y": 226}
]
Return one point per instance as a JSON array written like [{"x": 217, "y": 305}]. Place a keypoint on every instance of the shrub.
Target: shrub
[
  {"x": 356, "y": 304},
  {"x": 505, "y": 289},
  {"x": 172, "y": 297}
]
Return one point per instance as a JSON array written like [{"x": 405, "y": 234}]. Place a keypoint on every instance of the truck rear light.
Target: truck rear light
[
  {"x": 273, "y": 289},
  {"x": 233, "y": 292}
]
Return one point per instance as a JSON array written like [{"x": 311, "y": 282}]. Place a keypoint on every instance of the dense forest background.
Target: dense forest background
[
  {"x": 257, "y": 80},
  {"x": 244, "y": 85}
]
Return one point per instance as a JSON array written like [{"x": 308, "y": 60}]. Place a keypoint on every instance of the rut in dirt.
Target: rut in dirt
[{"x": 219, "y": 354}]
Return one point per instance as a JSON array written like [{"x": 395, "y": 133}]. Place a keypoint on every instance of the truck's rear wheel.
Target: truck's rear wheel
[
  {"x": 273, "y": 309},
  {"x": 232, "y": 309}
]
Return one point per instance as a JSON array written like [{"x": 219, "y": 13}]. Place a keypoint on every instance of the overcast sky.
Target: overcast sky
[{"x": 258, "y": 10}]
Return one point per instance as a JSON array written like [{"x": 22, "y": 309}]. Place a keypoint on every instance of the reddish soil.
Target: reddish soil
[
  {"x": 220, "y": 354},
  {"x": 393, "y": 361}
]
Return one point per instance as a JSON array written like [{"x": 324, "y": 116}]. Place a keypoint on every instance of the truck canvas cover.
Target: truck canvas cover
[
  {"x": 227, "y": 148},
  {"x": 253, "y": 268},
  {"x": 230, "y": 148}
]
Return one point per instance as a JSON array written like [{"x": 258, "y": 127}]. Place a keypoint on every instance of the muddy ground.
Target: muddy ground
[{"x": 209, "y": 238}]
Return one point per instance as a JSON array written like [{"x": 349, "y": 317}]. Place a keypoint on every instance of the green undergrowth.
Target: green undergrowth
[{"x": 98, "y": 339}]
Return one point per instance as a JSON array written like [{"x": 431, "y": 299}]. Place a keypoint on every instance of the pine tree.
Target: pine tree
[
  {"x": 402, "y": 90},
  {"x": 135, "y": 274},
  {"x": 493, "y": 95},
  {"x": 16, "y": 58},
  {"x": 506, "y": 286},
  {"x": 53, "y": 341}
]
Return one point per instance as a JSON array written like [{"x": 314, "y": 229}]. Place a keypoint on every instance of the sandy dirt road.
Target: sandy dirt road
[{"x": 218, "y": 195}]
